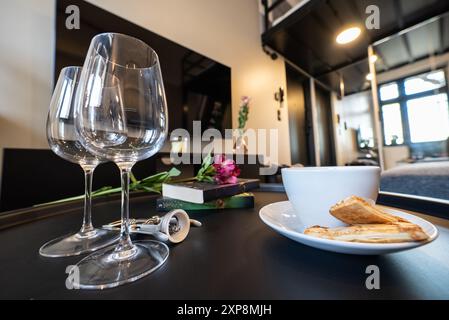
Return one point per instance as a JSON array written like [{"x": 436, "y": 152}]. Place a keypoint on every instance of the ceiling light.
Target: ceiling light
[
  {"x": 373, "y": 58},
  {"x": 342, "y": 86},
  {"x": 348, "y": 35},
  {"x": 369, "y": 77}
]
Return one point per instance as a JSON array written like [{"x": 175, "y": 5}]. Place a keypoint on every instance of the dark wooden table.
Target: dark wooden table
[{"x": 233, "y": 256}]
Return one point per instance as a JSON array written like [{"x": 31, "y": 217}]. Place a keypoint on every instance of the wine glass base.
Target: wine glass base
[
  {"x": 76, "y": 244},
  {"x": 103, "y": 270}
]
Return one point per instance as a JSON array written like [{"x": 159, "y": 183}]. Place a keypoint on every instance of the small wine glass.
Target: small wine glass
[
  {"x": 63, "y": 140},
  {"x": 122, "y": 117}
]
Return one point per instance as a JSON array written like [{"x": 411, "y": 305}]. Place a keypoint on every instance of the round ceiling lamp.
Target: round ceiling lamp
[{"x": 348, "y": 35}]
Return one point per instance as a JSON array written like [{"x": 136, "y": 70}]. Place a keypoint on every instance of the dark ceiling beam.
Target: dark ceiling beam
[
  {"x": 398, "y": 13},
  {"x": 355, "y": 10},
  {"x": 335, "y": 12},
  {"x": 293, "y": 18},
  {"x": 311, "y": 52},
  {"x": 341, "y": 66},
  {"x": 324, "y": 25},
  {"x": 275, "y": 5}
]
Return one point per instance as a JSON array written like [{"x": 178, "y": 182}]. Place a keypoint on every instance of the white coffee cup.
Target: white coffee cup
[{"x": 312, "y": 191}]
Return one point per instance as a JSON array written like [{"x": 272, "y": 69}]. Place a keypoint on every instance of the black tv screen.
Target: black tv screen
[{"x": 197, "y": 87}]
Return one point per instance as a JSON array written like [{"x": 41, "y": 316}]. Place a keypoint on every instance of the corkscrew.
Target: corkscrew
[{"x": 173, "y": 226}]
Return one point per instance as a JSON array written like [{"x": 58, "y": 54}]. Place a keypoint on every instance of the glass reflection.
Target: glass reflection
[{"x": 413, "y": 103}]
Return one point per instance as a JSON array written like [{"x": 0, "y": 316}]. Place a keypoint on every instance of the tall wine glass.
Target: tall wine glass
[
  {"x": 63, "y": 140},
  {"x": 122, "y": 116}
]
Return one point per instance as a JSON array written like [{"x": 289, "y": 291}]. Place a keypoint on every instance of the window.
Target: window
[
  {"x": 415, "y": 109},
  {"x": 389, "y": 91},
  {"x": 391, "y": 114},
  {"x": 428, "y": 118},
  {"x": 425, "y": 82}
]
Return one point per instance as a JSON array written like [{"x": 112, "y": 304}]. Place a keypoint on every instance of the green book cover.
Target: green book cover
[{"x": 243, "y": 200}]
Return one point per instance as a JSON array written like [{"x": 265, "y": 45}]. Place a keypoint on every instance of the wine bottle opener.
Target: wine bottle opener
[{"x": 173, "y": 226}]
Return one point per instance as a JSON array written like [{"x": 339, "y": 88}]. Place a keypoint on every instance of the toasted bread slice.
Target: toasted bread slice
[
  {"x": 371, "y": 233},
  {"x": 356, "y": 210}
]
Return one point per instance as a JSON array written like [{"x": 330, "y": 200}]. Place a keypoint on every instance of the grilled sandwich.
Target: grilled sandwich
[
  {"x": 371, "y": 233},
  {"x": 356, "y": 210}
]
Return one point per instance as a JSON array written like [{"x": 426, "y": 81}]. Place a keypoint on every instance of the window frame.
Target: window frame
[{"x": 402, "y": 100}]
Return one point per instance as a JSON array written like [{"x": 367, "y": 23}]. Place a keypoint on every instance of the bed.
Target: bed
[{"x": 429, "y": 179}]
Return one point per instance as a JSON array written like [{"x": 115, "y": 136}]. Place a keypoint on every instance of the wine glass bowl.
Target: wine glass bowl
[
  {"x": 64, "y": 141},
  {"x": 61, "y": 134},
  {"x": 121, "y": 116}
]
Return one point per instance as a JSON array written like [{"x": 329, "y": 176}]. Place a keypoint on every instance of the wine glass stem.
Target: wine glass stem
[
  {"x": 87, "y": 220},
  {"x": 125, "y": 248}
]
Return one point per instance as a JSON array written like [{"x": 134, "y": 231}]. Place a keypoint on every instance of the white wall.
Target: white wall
[
  {"x": 26, "y": 71},
  {"x": 227, "y": 31}
]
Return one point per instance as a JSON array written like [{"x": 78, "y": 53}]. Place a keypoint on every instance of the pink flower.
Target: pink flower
[
  {"x": 245, "y": 100},
  {"x": 226, "y": 170}
]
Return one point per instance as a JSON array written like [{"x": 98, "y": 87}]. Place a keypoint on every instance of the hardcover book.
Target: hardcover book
[
  {"x": 244, "y": 200},
  {"x": 201, "y": 192}
]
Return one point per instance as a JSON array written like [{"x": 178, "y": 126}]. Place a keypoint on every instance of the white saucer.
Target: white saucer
[{"x": 281, "y": 217}]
